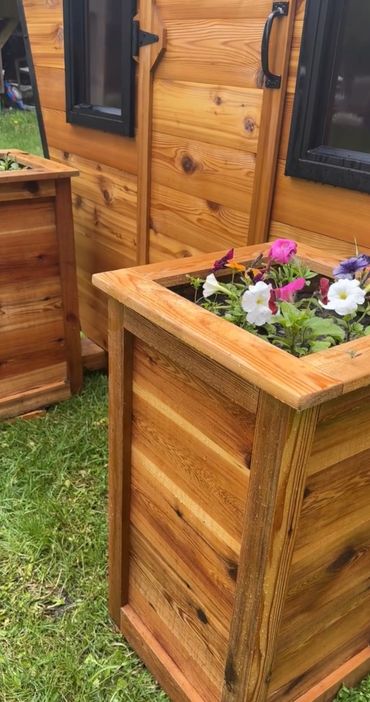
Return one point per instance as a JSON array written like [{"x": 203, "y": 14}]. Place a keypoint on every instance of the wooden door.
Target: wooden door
[{"x": 208, "y": 130}]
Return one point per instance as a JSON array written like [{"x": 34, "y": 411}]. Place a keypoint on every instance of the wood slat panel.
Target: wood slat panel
[
  {"x": 26, "y": 191},
  {"x": 221, "y": 175},
  {"x": 184, "y": 225},
  {"x": 47, "y": 38},
  {"x": 213, "y": 376},
  {"x": 213, "y": 9},
  {"x": 190, "y": 456},
  {"x": 117, "y": 153},
  {"x": 222, "y": 116},
  {"x": 203, "y": 473},
  {"x": 340, "y": 437},
  {"x": 344, "y": 249},
  {"x": 112, "y": 187},
  {"x": 328, "y": 650},
  {"x": 336, "y": 212},
  {"x": 179, "y": 609},
  {"x": 51, "y": 86},
  {"x": 172, "y": 526},
  {"x": 194, "y": 49}
]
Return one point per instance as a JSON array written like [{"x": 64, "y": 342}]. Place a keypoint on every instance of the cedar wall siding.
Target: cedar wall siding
[
  {"x": 207, "y": 100},
  {"x": 316, "y": 214}
]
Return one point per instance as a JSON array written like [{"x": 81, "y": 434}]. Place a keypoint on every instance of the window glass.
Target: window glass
[
  {"x": 105, "y": 62},
  {"x": 348, "y": 124}
]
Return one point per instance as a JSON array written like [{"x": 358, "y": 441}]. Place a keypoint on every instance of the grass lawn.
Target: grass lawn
[
  {"x": 56, "y": 641},
  {"x": 19, "y": 130}
]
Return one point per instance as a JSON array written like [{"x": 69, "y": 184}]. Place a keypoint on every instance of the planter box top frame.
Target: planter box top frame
[
  {"x": 35, "y": 168},
  {"x": 300, "y": 383}
]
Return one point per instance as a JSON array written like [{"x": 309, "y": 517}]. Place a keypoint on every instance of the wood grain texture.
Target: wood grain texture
[
  {"x": 272, "y": 514},
  {"x": 333, "y": 217},
  {"x": 120, "y": 410},
  {"x": 258, "y": 363},
  {"x": 247, "y": 534},
  {"x": 156, "y": 658},
  {"x": 202, "y": 104},
  {"x": 40, "y": 359},
  {"x": 189, "y": 531},
  {"x": 271, "y": 124},
  {"x": 349, "y": 674},
  {"x": 194, "y": 49},
  {"x": 150, "y": 56},
  {"x": 67, "y": 267}
]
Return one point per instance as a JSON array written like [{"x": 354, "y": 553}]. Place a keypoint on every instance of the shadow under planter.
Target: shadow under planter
[
  {"x": 40, "y": 352},
  {"x": 239, "y": 497}
]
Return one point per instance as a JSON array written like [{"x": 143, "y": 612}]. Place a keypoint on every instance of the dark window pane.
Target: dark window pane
[
  {"x": 348, "y": 125},
  {"x": 105, "y": 70}
]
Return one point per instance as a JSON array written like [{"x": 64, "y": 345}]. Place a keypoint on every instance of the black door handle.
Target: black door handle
[{"x": 279, "y": 9}]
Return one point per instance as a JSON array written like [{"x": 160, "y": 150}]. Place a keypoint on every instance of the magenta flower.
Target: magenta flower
[
  {"x": 221, "y": 263},
  {"x": 324, "y": 289},
  {"x": 283, "y": 250},
  {"x": 287, "y": 292}
]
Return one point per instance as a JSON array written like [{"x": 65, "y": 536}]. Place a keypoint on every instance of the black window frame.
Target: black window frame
[
  {"x": 324, "y": 164},
  {"x": 76, "y": 61}
]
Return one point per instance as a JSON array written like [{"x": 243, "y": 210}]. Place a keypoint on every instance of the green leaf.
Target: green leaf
[
  {"x": 325, "y": 327},
  {"x": 290, "y": 313},
  {"x": 320, "y": 346},
  {"x": 367, "y": 331}
]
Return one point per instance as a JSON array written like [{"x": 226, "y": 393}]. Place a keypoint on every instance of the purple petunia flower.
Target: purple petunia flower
[
  {"x": 349, "y": 267},
  {"x": 221, "y": 263}
]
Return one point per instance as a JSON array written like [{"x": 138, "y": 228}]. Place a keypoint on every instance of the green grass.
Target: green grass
[
  {"x": 56, "y": 640},
  {"x": 19, "y": 130}
]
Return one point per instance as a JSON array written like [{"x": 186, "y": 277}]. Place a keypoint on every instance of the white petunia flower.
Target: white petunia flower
[
  {"x": 255, "y": 302},
  {"x": 212, "y": 286},
  {"x": 344, "y": 297}
]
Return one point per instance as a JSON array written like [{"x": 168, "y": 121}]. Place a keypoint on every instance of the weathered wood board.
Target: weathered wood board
[
  {"x": 239, "y": 493},
  {"x": 40, "y": 357}
]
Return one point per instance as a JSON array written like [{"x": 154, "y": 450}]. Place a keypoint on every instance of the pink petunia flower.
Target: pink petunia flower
[
  {"x": 324, "y": 289},
  {"x": 287, "y": 292},
  {"x": 283, "y": 250}
]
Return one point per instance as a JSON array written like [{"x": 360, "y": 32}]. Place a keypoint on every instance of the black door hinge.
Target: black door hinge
[{"x": 141, "y": 38}]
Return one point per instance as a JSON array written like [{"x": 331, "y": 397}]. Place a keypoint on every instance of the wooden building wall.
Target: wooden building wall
[
  {"x": 212, "y": 138},
  {"x": 207, "y": 100},
  {"x": 317, "y": 214}
]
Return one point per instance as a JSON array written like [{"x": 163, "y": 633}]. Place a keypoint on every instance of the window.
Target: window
[
  {"x": 330, "y": 134},
  {"x": 100, "y": 70}
]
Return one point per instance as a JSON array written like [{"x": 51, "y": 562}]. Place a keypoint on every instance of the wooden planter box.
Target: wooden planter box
[
  {"x": 40, "y": 357},
  {"x": 239, "y": 497}
]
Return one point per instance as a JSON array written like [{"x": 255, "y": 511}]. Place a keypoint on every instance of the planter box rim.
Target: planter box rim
[
  {"x": 299, "y": 382},
  {"x": 38, "y": 168}
]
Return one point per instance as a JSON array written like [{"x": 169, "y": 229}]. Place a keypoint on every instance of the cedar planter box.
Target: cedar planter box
[
  {"x": 40, "y": 356},
  {"x": 239, "y": 497}
]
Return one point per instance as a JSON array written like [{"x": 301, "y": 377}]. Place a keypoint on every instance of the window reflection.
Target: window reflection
[
  {"x": 348, "y": 125},
  {"x": 105, "y": 70}
]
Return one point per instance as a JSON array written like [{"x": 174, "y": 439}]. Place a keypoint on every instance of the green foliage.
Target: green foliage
[
  {"x": 19, "y": 130},
  {"x": 57, "y": 643},
  {"x": 283, "y": 274},
  {"x": 358, "y": 694},
  {"x": 8, "y": 163},
  {"x": 303, "y": 332}
]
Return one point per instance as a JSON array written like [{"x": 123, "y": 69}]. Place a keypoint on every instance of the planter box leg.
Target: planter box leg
[{"x": 282, "y": 446}]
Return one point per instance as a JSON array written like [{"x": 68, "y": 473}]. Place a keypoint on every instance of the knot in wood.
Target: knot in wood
[
  {"x": 249, "y": 125},
  {"x": 188, "y": 164}
]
